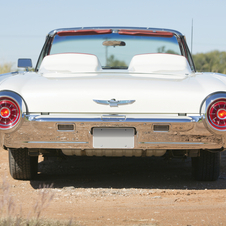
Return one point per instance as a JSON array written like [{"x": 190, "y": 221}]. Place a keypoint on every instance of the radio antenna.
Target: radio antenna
[{"x": 191, "y": 35}]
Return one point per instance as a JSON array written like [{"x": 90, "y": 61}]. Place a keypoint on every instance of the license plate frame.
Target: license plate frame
[{"x": 113, "y": 138}]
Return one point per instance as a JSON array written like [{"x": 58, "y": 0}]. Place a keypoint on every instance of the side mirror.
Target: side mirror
[{"x": 24, "y": 63}]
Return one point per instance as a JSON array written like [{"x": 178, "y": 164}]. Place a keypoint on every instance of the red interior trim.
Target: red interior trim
[
  {"x": 146, "y": 33},
  {"x": 84, "y": 32}
]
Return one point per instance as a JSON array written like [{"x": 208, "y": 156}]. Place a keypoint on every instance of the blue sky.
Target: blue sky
[{"x": 25, "y": 23}]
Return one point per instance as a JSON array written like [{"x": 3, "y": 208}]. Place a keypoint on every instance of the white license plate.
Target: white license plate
[{"x": 113, "y": 137}]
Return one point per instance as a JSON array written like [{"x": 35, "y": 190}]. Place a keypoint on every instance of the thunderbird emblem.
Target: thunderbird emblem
[{"x": 114, "y": 102}]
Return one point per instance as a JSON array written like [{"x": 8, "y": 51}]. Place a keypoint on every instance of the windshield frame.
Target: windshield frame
[{"x": 184, "y": 51}]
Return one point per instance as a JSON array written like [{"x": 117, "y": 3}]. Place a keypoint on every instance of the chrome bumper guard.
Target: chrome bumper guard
[{"x": 76, "y": 133}]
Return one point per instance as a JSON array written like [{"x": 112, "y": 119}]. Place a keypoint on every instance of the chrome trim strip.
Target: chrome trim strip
[
  {"x": 53, "y": 142},
  {"x": 53, "y": 32},
  {"x": 115, "y": 118},
  {"x": 172, "y": 143}
]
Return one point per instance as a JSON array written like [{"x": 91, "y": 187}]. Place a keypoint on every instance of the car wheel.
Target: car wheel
[
  {"x": 21, "y": 165},
  {"x": 207, "y": 166}
]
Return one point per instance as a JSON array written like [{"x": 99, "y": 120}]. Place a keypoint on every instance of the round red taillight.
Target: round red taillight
[
  {"x": 216, "y": 114},
  {"x": 9, "y": 113},
  {"x": 221, "y": 114},
  {"x": 5, "y": 112}
]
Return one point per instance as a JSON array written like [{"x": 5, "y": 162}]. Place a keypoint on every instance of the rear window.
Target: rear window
[{"x": 114, "y": 50}]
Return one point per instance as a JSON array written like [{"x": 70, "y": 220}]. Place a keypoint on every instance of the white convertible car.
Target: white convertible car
[{"x": 113, "y": 91}]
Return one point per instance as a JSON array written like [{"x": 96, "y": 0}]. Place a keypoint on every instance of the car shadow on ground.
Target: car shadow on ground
[{"x": 104, "y": 172}]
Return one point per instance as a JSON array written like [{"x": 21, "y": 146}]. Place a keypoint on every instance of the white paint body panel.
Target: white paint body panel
[
  {"x": 172, "y": 90},
  {"x": 69, "y": 62},
  {"x": 160, "y": 63},
  {"x": 151, "y": 95}
]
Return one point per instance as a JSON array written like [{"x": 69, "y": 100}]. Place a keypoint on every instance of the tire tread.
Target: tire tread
[
  {"x": 207, "y": 166},
  {"x": 21, "y": 165}
]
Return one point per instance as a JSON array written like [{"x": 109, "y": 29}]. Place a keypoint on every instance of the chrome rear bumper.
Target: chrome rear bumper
[{"x": 150, "y": 133}]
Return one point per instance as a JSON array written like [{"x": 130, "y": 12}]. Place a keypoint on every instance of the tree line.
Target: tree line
[
  {"x": 5, "y": 68},
  {"x": 214, "y": 61}
]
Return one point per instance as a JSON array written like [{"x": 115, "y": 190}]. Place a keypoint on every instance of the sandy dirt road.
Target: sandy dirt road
[{"x": 121, "y": 191}]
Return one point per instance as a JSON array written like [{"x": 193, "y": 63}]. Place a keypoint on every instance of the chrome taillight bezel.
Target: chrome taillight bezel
[
  {"x": 204, "y": 109},
  {"x": 212, "y": 114},
  {"x": 11, "y": 97},
  {"x": 14, "y": 113}
]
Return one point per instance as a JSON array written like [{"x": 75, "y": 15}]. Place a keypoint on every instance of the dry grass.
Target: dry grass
[
  {"x": 45, "y": 197},
  {"x": 12, "y": 215},
  {"x": 21, "y": 222},
  {"x": 5, "y": 68}
]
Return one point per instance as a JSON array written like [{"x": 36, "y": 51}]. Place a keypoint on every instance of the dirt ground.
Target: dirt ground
[{"x": 120, "y": 191}]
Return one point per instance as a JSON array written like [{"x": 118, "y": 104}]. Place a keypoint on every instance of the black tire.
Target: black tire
[
  {"x": 21, "y": 165},
  {"x": 207, "y": 166}
]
